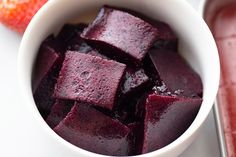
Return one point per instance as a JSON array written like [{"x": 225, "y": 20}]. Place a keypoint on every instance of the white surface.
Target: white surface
[{"x": 14, "y": 125}]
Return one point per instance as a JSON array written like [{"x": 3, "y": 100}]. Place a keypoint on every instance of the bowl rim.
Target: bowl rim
[{"x": 27, "y": 95}]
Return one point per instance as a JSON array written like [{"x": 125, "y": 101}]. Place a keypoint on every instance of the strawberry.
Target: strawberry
[{"x": 16, "y": 14}]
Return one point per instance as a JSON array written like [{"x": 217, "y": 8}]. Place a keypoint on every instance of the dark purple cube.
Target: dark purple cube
[
  {"x": 89, "y": 129},
  {"x": 89, "y": 79},
  {"x": 176, "y": 74},
  {"x": 122, "y": 31},
  {"x": 46, "y": 70},
  {"x": 46, "y": 60},
  {"x": 134, "y": 80},
  {"x": 166, "y": 38},
  {"x": 166, "y": 119},
  {"x": 58, "y": 112}
]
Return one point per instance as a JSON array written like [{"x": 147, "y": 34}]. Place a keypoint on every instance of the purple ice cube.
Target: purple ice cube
[
  {"x": 176, "y": 74},
  {"x": 124, "y": 32},
  {"x": 89, "y": 129},
  {"x": 89, "y": 79},
  {"x": 167, "y": 118},
  {"x": 46, "y": 70}
]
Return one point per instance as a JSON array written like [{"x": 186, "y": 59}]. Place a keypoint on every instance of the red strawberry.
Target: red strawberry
[{"x": 16, "y": 14}]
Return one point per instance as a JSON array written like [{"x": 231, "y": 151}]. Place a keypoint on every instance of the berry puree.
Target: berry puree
[
  {"x": 221, "y": 17},
  {"x": 116, "y": 86}
]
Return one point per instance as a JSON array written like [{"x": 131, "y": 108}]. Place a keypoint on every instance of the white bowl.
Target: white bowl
[{"x": 196, "y": 45}]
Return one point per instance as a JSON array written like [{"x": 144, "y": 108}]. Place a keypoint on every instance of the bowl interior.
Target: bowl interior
[{"x": 196, "y": 46}]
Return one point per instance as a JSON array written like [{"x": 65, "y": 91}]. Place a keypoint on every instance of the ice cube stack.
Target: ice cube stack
[{"x": 116, "y": 86}]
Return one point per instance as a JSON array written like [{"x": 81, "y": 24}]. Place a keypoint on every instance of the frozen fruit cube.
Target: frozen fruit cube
[
  {"x": 123, "y": 31},
  {"x": 166, "y": 118},
  {"x": 89, "y": 79},
  {"x": 58, "y": 112},
  {"x": 165, "y": 32},
  {"x": 166, "y": 38},
  {"x": 134, "y": 80},
  {"x": 176, "y": 74},
  {"x": 46, "y": 70},
  {"x": 46, "y": 60},
  {"x": 89, "y": 129}
]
